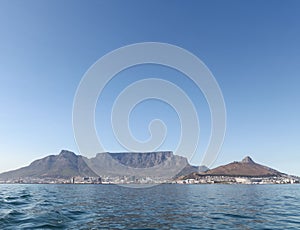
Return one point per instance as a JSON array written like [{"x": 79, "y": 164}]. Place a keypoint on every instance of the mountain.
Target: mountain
[
  {"x": 162, "y": 165},
  {"x": 247, "y": 168},
  {"x": 141, "y": 160},
  {"x": 64, "y": 165},
  {"x": 159, "y": 165}
]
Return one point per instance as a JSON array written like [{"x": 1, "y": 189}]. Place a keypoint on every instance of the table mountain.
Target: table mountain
[
  {"x": 66, "y": 164},
  {"x": 163, "y": 165}
]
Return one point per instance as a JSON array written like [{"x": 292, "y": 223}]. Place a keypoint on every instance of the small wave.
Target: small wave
[
  {"x": 237, "y": 216},
  {"x": 47, "y": 226},
  {"x": 11, "y": 198},
  {"x": 25, "y": 196},
  {"x": 14, "y": 213},
  {"x": 17, "y": 203},
  {"x": 77, "y": 212}
]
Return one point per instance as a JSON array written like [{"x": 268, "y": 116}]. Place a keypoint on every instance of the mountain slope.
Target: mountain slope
[
  {"x": 246, "y": 167},
  {"x": 67, "y": 164},
  {"x": 64, "y": 165}
]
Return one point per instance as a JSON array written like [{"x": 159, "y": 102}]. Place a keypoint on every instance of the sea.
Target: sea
[{"x": 166, "y": 206}]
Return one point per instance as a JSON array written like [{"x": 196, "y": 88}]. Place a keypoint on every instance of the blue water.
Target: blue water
[{"x": 158, "y": 207}]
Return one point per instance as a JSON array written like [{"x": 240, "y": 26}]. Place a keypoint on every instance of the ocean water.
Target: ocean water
[{"x": 158, "y": 207}]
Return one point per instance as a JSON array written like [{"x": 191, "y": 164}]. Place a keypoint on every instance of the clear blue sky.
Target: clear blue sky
[{"x": 251, "y": 47}]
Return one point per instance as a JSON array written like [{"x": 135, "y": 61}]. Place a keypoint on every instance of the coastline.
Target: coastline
[{"x": 202, "y": 179}]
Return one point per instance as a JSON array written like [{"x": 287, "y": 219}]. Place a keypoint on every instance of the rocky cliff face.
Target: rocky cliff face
[
  {"x": 141, "y": 160},
  {"x": 163, "y": 165}
]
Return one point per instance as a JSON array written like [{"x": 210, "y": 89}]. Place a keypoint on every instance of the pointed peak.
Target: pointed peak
[
  {"x": 247, "y": 159},
  {"x": 66, "y": 153}
]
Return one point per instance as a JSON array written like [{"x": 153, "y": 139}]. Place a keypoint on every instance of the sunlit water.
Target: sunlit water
[{"x": 158, "y": 207}]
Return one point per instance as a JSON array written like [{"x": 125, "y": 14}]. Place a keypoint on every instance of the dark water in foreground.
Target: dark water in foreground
[{"x": 158, "y": 207}]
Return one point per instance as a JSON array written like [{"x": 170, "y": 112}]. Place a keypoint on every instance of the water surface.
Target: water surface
[{"x": 158, "y": 207}]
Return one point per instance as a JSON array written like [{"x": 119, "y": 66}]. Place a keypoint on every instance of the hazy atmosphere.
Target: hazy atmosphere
[{"x": 252, "y": 50}]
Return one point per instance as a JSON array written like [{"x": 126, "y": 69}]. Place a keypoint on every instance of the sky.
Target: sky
[{"x": 251, "y": 47}]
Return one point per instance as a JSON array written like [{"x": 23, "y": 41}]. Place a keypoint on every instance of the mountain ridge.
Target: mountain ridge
[
  {"x": 64, "y": 165},
  {"x": 161, "y": 164},
  {"x": 244, "y": 168},
  {"x": 67, "y": 164}
]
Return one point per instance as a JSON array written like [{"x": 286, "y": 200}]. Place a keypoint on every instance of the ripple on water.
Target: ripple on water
[
  {"x": 237, "y": 216},
  {"x": 161, "y": 207},
  {"x": 8, "y": 198}
]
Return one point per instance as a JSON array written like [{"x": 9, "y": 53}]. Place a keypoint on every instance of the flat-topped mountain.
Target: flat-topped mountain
[
  {"x": 141, "y": 160},
  {"x": 67, "y": 164},
  {"x": 163, "y": 164}
]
